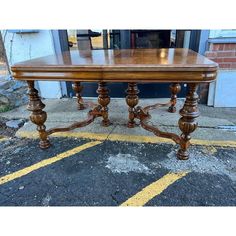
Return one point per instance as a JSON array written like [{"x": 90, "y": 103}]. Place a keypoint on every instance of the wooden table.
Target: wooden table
[{"x": 127, "y": 65}]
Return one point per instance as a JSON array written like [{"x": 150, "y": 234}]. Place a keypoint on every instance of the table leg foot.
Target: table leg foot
[
  {"x": 77, "y": 87},
  {"x": 175, "y": 89},
  {"x": 182, "y": 154},
  {"x": 38, "y": 116},
  {"x": 131, "y": 124},
  {"x": 132, "y": 101},
  {"x": 187, "y": 122},
  {"x": 44, "y": 144},
  {"x": 105, "y": 123},
  {"x": 103, "y": 100}
]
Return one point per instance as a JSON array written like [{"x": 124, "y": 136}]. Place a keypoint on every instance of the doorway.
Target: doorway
[{"x": 125, "y": 39}]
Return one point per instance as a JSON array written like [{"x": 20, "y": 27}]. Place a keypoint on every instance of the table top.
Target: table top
[
  {"x": 145, "y": 59},
  {"x": 102, "y": 62}
]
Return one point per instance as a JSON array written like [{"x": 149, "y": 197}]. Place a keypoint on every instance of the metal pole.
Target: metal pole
[{"x": 105, "y": 41}]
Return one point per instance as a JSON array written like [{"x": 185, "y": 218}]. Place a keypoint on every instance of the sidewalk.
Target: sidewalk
[{"x": 215, "y": 124}]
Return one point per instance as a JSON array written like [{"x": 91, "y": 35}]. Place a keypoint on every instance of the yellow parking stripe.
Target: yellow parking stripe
[
  {"x": 46, "y": 162},
  {"x": 3, "y": 139},
  {"x": 154, "y": 189},
  {"x": 128, "y": 138}
]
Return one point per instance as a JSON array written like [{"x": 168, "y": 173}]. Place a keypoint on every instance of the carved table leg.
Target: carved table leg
[
  {"x": 188, "y": 123},
  {"x": 132, "y": 101},
  {"x": 103, "y": 100},
  {"x": 175, "y": 89},
  {"x": 77, "y": 87},
  {"x": 38, "y": 116}
]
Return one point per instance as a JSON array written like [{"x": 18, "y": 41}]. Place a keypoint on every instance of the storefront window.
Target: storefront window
[{"x": 117, "y": 39}]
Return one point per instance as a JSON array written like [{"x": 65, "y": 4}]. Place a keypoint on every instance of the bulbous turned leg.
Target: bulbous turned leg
[
  {"x": 175, "y": 89},
  {"x": 103, "y": 100},
  {"x": 187, "y": 122},
  {"x": 77, "y": 87},
  {"x": 132, "y": 101},
  {"x": 38, "y": 116}
]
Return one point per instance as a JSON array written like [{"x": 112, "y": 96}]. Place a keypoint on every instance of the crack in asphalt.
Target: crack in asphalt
[
  {"x": 110, "y": 133},
  {"x": 114, "y": 199}
]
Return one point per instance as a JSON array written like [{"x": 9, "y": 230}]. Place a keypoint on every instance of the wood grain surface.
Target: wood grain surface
[{"x": 124, "y": 65}]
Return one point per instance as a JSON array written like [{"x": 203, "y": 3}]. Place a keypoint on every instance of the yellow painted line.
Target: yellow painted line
[
  {"x": 96, "y": 136},
  {"x": 128, "y": 138},
  {"x": 154, "y": 189},
  {"x": 221, "y": 143},
  {"x": 3, "y": 139},
  {"x": 49, "y": 161}
]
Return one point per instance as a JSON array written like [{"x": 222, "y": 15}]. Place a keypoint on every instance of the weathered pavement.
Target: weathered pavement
[
  {"x": 214, "y": 123},
  {"x": 113, "y": 166},
  {"x": 110, "y": 172}
]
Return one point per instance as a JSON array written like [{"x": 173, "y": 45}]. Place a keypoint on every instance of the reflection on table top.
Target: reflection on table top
[{"x": 179, "y": 59}]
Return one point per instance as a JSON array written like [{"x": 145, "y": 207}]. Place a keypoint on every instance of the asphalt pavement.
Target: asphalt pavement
[{"x": 85, "y": 172}]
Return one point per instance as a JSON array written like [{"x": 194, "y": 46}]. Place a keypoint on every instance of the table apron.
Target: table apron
[{"x": 126, "y": 76}]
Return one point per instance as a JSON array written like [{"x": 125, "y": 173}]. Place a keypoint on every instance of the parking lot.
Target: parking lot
[{"x": 85, "y": 172}]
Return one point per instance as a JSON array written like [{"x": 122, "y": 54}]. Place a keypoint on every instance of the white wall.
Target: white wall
[
  {"x": 222, "y": 92},
  {"x": 26, "y": 46}
]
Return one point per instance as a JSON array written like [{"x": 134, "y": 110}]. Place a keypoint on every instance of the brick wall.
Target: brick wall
[{"x": 224, "y": 54}]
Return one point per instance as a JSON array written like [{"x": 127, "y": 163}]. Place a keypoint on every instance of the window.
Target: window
[{"x": 222, "y": 33}]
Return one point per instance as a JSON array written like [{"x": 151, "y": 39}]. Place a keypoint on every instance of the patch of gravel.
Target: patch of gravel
[
  {"x": 202, "y": 161},
  {"x": 125, "y": 163}
]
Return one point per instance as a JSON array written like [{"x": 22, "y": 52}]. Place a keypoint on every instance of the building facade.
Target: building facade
[{"x": 222, "y": 49}]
